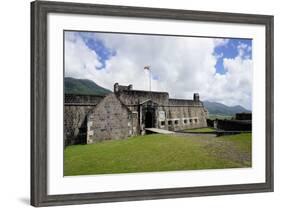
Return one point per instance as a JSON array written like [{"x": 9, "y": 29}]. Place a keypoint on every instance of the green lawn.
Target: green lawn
[
  {"x": 204, "y": 130},
  {"x": 157, "y": 152}
]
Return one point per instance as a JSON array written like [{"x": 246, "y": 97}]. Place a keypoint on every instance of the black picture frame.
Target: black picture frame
[{"x": 39, "y": 98}]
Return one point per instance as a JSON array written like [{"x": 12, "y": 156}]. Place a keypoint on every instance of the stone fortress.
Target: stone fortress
[{"x": 127, "y": 112}]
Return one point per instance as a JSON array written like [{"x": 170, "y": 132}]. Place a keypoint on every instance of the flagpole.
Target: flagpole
[
  {"x": 149, "y": 76},
  {"x": 150, "y": 79}
]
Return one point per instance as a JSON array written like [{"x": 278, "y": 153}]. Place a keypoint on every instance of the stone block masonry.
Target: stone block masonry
[
  {"x": 110, "y": 119},
  {"x": 128, "y": 112},
  {"x": 76, "y": 110}
]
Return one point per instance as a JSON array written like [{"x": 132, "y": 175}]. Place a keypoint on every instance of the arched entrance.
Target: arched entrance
[
  {"x": 148, "y": 114},
  {"x": 148, "y": 119}
]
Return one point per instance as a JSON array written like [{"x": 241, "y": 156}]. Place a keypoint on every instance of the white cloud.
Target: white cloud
[
  {"x": 183, "y": 66},
  {"x": 220, "y": 41},
  {"x": 80, "y": 61}
]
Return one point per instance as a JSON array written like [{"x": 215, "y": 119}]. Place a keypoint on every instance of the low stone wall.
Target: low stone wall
[
  {"x": 233, "y": 125},
  {"x": 210, "y": 123},
  {"x": 243, "y": 116}
]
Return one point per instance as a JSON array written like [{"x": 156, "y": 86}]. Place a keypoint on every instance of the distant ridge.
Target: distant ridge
[
  {"x": 83, "y": 87},
  {"x": 221, "y": 109}
]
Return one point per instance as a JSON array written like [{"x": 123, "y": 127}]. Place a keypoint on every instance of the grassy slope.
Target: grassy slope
[{"x": 158, "y": 153}]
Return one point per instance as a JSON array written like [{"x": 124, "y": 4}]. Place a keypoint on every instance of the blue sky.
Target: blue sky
[
  {"x": 104, "y": 53},
  {"x": 219, "y": 69},
  {"x": 230, "y": 51}
]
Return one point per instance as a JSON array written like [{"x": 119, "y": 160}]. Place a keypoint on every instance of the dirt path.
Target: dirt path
[{"x": 220, "y": 147}]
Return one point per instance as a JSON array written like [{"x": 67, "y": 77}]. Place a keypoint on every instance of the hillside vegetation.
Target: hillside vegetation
[{"x": 83, "y": 87}]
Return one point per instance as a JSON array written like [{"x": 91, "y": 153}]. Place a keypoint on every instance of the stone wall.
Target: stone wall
[
  {"x": 76, "y": 109},
  {"x": 82, "y": 99},
  {"x": 75, "y": 123},
  {"x": 179, "y": 114},
  {"x": 110, "y": 120},
  {"x": 183, "y": 117},
  {"x": 90, "y": 119},
  {"x": 183, "y": 102},
  {"x": 134, "y": 97},
  {"x": 233, "y": 125},
  {"x": 243, "y": 116}
]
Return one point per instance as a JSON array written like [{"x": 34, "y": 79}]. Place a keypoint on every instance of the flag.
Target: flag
[{"x": 146, "y": 67}]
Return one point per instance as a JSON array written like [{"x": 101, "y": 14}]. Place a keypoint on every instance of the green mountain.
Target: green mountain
[
  {"x": 215, "y": 108},
  {"x": 83, "y": 87}
]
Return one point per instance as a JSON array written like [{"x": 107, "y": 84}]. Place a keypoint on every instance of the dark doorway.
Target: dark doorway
[{"x": 148, "y": 119}]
